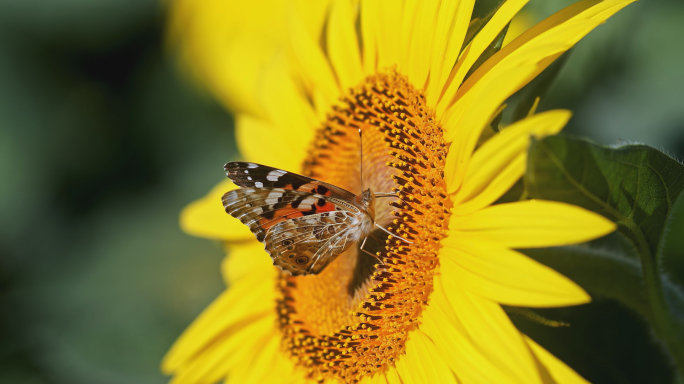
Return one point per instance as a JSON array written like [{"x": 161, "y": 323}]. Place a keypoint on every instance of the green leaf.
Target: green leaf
[
  {"x": 637, "y": 187},
  {"x": 607, "y": 267},
  {"x": 672, "y": 250}
]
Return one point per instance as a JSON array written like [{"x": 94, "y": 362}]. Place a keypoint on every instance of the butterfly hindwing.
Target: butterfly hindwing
[
  {"x": 306, "y": 245},
  {"x": 252, "y": 175}
]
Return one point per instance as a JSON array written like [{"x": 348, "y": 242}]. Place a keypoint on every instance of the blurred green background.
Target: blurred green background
[{"x": 103, "y": 141}]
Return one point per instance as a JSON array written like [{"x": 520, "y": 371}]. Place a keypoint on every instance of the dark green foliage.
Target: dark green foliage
[{"x": 637, "y": 187}]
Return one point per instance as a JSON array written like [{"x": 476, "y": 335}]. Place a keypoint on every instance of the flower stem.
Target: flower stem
[{"x": 664, "y": 326}]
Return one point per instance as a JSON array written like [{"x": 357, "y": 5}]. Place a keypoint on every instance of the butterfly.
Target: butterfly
[{"x": 303, "y": 223}]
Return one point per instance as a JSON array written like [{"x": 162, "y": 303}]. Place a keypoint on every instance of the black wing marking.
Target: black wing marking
[{"x": 252, "y": 175}]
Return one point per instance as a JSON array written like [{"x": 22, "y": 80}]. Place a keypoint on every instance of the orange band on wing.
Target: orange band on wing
[
  {"x": 279, "y": 216},
  {"x": 325, "y": 208}
]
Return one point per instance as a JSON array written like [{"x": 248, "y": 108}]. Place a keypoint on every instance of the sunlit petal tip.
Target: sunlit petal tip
[
  {"x": 477, "y": 338},
  {"x": 558, "y": 370},
  {"x": 532, "y": 224},
  {"x": 506, "y": 276}
]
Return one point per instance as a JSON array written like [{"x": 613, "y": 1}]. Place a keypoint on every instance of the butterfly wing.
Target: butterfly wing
[
  {"x": 306, "y": 245},
  {"x": 261, "y": 208},
  {"x": 304, "y": 223},
  {"x": 252, "y": 175}
]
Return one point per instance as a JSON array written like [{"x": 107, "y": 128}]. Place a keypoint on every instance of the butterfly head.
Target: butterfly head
[{"x": 367, "y": 199}]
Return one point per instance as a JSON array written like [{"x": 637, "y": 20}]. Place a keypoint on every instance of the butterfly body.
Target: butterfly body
[{"x": 304, "y": 223}]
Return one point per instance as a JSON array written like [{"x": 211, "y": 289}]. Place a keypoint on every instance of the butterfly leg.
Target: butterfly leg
[
  {"x": 374, "y": 256},
  {"x": 385, "y": 194}
]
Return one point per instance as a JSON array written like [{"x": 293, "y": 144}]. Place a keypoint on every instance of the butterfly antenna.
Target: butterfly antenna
[
  {"x": 361, "y": 156},
  {"x": 397, "y": 236}
]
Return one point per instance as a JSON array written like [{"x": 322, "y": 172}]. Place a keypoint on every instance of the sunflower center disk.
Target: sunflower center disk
[{"x": 354, "y": 318}]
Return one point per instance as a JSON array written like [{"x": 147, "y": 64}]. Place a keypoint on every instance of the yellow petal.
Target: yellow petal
[
  {"x": 313, "y": 14},
  {"x": 476, "y": 338},
  {"x": 313, "y": 66},
  {"x": 206, "y": 217},
  {"x": 531, "y": 224},
  {"x": 246, "y": 300},
  {"x": 420, "y": 42},
  {"x": 480, "y": 42},
  {"x": 370, "y": 14},
  {"x": 392, "y": 376},
  {"x": 582, "y": 10},
  {"x": 559, "y": 371},
  {"x": 520, "y": 23},
  {"x": 264, "y": 143},
  {"x": 500, "y": 183},
  {"x": 226, "y": 44},
  {"x": 256, "y": 365},
  {"x": 258, "y": 370},
  {"x": 489, "y": 92},
  {"x": 389, "y": 27},
  {"x": 506, "y": 276},
  {"x": 458, "y": 350},
  {"x": 535, "y": 52},
  {"x": 408, "y": 27},
  {"x": 343, "y": 47},
  {"x": 566, "y": 27},
  {"x": 284, "y": 369},
  {"x": 287, "y": 109},
  {"x": 378, "y": 378},
  {"x": 500, "y": 161},
  {"x": 245, "y": 259},
  {"x": 502, "y": 75},
  {"x": 445, "y": 15},
  {"x": 423, "y": 362},
  {"x": 217, "y": 359},
  {"x": 452, "y": 25}
]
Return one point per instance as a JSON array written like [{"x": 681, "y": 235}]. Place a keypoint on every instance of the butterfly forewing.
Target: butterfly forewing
[
  {"x": 252, "y": 175},
  {"x": 261, "y": 209},
  {"x": 304, "y": 223}
]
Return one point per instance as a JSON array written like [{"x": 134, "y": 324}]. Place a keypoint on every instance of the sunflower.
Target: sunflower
[{"x": 302, "y": 80}]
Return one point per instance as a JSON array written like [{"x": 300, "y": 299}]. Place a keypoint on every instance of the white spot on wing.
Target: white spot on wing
[
  {"x": 250, "y": 165},
  {"x": 259, "y": 184},
  {"x": 275, "y": 175},
  {"x": 274, "y": 195}
]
